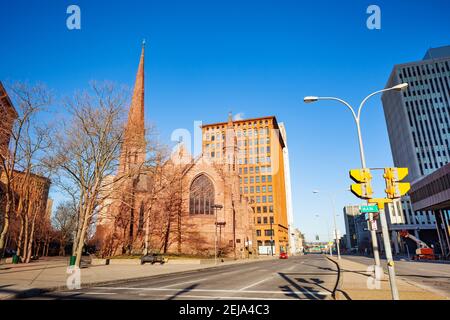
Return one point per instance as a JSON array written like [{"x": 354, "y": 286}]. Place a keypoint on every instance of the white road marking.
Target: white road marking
[
  {"x": 254, "y": 284},
  {"x": 323, "y": 293},
  {"x": 99, "y": 293},
  {"x": 207, "y": 278}
]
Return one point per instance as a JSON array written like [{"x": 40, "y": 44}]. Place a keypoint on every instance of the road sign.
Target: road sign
[
  {"x": 373, "y": 225},
  {"x": 370, "y": 208}
]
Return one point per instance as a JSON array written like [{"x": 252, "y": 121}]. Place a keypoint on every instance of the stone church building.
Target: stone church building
[{"x": 184, "y": 205}]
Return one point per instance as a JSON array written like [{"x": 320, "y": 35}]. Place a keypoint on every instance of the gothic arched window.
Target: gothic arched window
[{"x": 201, "y": 195}]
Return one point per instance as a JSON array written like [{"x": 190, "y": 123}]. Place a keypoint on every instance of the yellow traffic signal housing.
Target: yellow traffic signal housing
[
  {"x": 394, "y": 188},
  {"x": 362, "y": 189}
]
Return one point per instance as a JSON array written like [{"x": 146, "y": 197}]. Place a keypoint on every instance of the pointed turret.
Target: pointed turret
[
  {"x": 230, "y": 146},
  {"x": 133, "y": 148}
]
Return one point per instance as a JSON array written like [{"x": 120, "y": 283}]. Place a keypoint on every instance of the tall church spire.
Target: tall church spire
[
  {"x": 133, "y": 147},
  {"x": 135, "y": 130}
]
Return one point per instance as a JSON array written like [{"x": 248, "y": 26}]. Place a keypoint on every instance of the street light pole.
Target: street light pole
[
  {"x": 357, "y": 117},
  {"x": 338, "y": 250}
]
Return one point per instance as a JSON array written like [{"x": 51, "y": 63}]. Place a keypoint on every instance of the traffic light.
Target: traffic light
[
  {"x": 362, "y": 189},
  {"x": 394, "y": 188}
]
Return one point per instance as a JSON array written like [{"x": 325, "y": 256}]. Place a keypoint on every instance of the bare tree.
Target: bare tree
[
  {"x": 21, "y": 164},
  {"x": 64, "y": 221},
  {"x": 87, "y": 152}
]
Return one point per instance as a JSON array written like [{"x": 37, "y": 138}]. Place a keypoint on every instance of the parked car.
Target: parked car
[
  {"x": 153, "y": 258},
  {"x": 283, "y": 255}
]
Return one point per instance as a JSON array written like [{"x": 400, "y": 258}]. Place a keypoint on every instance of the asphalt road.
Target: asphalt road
[
  {"x": 304, "y": 277},
  {"x": 434, "y": 277}
]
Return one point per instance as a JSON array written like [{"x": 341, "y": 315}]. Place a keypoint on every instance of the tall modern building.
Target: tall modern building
[
  {"x": 418, "y": 123},
  {"x": 418, "y": 120},
  {"x": 262, "y": 173}
]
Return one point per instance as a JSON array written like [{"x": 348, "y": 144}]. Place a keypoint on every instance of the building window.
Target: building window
[
  {"x": 201, "y": 195},
  {"x": 258, "y": 233},
  {"x": 265, "y": 220}
]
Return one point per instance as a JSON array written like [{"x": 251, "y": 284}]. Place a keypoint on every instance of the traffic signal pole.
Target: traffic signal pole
[
  {"x": 388, "y": 250},
  {"x": 357, "y": 116},
  {"x": 373, "y": 233}
]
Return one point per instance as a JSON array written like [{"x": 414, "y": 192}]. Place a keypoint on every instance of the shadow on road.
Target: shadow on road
[
  {"x": 179, "y": 293},
  {"x": 308, "y": 288}
]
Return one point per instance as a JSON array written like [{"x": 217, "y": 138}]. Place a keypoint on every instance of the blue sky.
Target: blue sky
[{"x": 205, "y": 58}]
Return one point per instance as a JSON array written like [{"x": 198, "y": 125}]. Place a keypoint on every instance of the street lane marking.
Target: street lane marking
[
  {"x": 254, "y": 284},
  {"x": 99, "y": 293},
  {"x": 323, "y": 293},
  {"x": 207, "y": 278}
]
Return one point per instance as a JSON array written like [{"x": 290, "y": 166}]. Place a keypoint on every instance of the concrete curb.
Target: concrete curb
[
  {"x": 33, "y": 292},
  {"x": 339, "y": 279}
]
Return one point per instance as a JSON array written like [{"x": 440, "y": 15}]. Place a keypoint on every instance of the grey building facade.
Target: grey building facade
[
  {"x": 357, "y": 235},
  {"x": 418, "y": 124},
  {"x": 418, "y": 121}
]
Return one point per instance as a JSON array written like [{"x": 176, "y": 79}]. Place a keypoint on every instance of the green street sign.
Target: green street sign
[{"x": 368, "y": 209}]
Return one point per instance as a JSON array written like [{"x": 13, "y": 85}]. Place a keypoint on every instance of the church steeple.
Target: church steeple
[
  {"x": 133, "y": 147},
  {"x": 230, "y": 147}
]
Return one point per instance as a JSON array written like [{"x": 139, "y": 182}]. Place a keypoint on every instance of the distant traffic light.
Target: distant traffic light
[
  {"x": 394, "y": 188},
  {"x": 362, "y": 189}
]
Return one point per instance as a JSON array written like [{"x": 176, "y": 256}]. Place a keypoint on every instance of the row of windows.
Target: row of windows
[
  {"x": 424, "y": 69},
  {"x": 252, "y": 132},
  {"x": 255, "y": 160},
  {"x": 264, "y": 209},
  {"x": 267, "y": 233},
  {"x": 433, "y": 188},
  {"x": 264, "y": 220},
  {"x": 217, "y": 136},
  {"x": 257, "y": 189},
  {"x": 257, "y": 170},
  {"x": 260, "y": 199},
  {"x": 247, "y": 123},
  {"x": 256, "y": 150},
  {"x": 257, "y": 179},
  {"x": 241, "y": 144}
]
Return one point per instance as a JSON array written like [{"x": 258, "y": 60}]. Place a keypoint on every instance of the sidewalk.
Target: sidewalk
[
  {"x": 49, "y": 274},
  {"x": 354, "y": 285}
]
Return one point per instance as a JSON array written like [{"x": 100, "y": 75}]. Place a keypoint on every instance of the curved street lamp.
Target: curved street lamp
[{"x": 357, "y": 117}]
